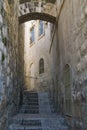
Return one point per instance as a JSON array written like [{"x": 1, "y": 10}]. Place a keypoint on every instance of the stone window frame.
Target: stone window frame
[
  {"x": 32, "y": 40},
  {"x": 40, "y": 35},
  {"x": 41, "y": 66}
]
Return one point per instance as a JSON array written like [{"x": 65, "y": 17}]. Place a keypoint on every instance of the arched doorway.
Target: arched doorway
[
  {"x": 32, "y": 74},
  {"x": 67, "y": 84}
]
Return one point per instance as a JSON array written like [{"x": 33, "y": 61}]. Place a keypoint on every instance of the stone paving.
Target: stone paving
[{"x": 36, "y": 114}]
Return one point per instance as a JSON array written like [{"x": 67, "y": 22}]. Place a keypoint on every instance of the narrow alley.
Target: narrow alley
[{"x": 43, "y": 64}]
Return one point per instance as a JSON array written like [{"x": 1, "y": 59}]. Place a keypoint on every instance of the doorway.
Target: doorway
[{"x": 67, "y": 84}]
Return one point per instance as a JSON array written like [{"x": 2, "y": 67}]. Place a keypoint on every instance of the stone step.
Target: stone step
[
  {"x": 44, "y": 128},
  {"x": 25, "y": 92},
  {"x": 16, "y": 127},
  {"x": 19, "y": 127},
  {"x": 26, "y": 105},
  {"x": 33, "y": 103},
  {"x": 28, "y": 122},
  {"x": 30, "y": 101},
  {"x": 33, "y": 106},
  {"x": 33, "y": 129},
  {"x": 31, "y": 95},
  {"x": 31, "y": 122},
  {"x": 26, "y": 111},
  {"x": 31, "y": 98},
  {"x": 30, "y": 109}
]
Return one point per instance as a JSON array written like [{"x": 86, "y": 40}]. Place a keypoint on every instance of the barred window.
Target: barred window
[{"x": 41, "y": 66}]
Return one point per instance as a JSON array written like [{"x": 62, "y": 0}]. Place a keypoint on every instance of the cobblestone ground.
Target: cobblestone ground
[{"x": 36, "y": 114}]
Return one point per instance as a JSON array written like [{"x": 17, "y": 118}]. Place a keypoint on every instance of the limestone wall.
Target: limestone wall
[
  {"x": 72, "y": 47},
  {"x": 21, "y": 60},
  {"x": 9, "y": 85}
]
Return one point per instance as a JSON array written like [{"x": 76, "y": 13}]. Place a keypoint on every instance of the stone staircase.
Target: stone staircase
[
  {"x": 36, "y": 114},
  {"x": 30, "y": 103}
]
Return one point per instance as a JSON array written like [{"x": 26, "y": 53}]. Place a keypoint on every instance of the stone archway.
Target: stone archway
[
  {"x": 67, "y": 84},
  {"x": 33, "y": 10},
  {"x": 35, "y": 16}
]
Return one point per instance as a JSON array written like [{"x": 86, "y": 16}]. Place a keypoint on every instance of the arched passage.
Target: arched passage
[
  {"x": 34, "y": 16},
  {"x": 67, "y": 84},
  {"x": 33, "y": 10}
]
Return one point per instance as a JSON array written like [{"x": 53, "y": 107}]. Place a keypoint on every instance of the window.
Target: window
[
  {"x": 31, "y": 35},
  {"x": 41, "y": 28},
  {"x": 41, "y": 66},
  {"x": 52, "y": 28}
]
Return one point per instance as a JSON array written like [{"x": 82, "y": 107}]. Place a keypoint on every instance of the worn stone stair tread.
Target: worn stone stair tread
[
  {"x": 26, "y": 109},
  {"x": 30, "y": 106},
  {"x": 31, "y": 99},
  {"x": 16, "y": 127},
  {"x": 30, "y": 111},
  {"x": 32, "y": 122},
  {"x": 33, "y": 103},
  {"x": 31, "y": 95},
  {"x": 36, "y": 116},
  {"x": 30, "y": 102},
  {"x": 19, "y": 127},
  {"x": 36, "y": 128}
]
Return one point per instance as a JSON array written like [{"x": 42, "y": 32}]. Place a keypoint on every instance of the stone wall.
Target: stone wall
[
  {"x": 21, "y": 60},
  {"x": 71, "y": 50},
  {"x": 9, "y": 84},
  {"x": 3, "y": 53}
]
